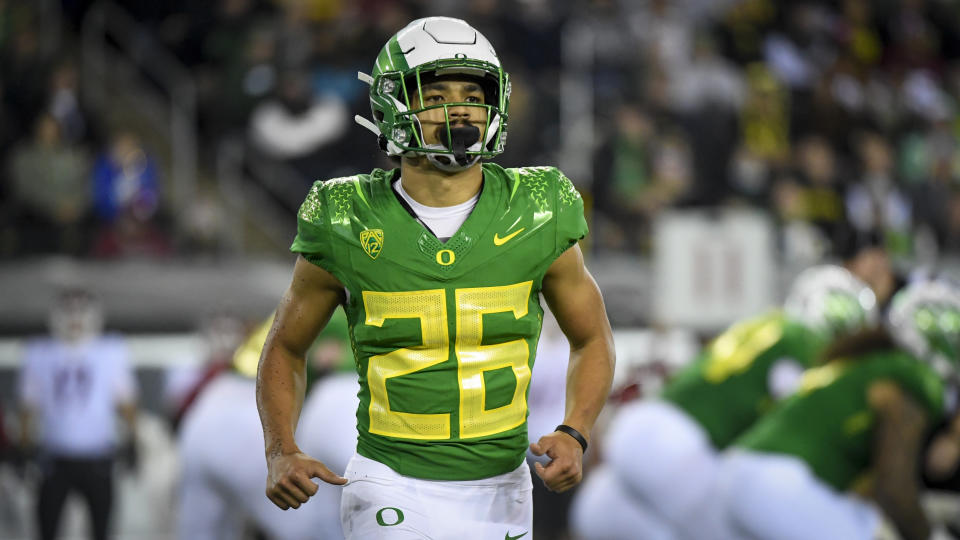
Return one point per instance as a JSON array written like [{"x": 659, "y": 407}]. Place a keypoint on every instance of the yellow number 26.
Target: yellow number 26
[{"x": 473, "y": 359}]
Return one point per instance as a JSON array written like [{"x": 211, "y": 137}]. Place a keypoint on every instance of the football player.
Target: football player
[
  {"x": 852, "y": 433},
  {"x": 663, "y": 451},
  {"x": 221, "y": 441},
  {"x": 439, "y": 265},
  {"x": 74, "y": 385}
]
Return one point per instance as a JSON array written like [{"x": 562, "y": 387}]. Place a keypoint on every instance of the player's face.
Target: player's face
[
  {"x": 76, "y": 319},
  {"x": 451, "y": 90}
]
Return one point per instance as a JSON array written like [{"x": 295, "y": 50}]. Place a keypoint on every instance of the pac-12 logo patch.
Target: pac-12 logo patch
[{"x": 372, "y": 241}]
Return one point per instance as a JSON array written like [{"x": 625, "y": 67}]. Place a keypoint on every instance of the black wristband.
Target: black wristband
[{"x": 573, "y": 433}]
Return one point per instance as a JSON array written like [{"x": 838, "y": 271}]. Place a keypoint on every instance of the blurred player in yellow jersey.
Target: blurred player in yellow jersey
[{"x": 221, "y": 446}]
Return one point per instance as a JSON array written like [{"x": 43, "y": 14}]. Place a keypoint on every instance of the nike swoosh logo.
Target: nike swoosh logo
[
  {"x": 497, "y": 241},
  {"x": 508, "y": 537}
]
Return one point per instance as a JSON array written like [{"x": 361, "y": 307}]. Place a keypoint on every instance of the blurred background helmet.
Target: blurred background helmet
[
  {"x": 831, "y": 300},
  {"x": 76, "y": 316},
  {"x": 924, "y": 319},
  {"x": 425, "y": 49}
]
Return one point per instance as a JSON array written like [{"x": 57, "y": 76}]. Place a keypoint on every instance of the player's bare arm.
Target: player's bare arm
[
  {"x": 305, "y": 308},
  {"x": 575, "y": 300},
  {"x": 899, "y": 432}
]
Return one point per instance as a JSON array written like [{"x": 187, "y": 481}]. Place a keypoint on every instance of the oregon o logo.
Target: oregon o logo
[
  {"x": 397, "y": 515},
  {"x": 445, "y": 257}
]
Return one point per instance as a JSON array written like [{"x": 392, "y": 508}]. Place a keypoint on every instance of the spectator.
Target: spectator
[
  {"x": 50, "y": 191},
  {"x": 75, "y": 383},
  {"x": 928, "y": 163},
  {"x": 644, "y": 171},
  {"x": 295, "y": 124},
  {"x": 875, "y": 201},
  {"x": 247, "y": 75},
  {"x": 65, "y": 105},
  {"x": 708, "y": 92},
  {"x": 623, "y": 176},
  {"x": 126, "y": 195},
  {"x": 822, "y": 197},
  {"x": 25, "y": 68},
  {"x": 765, "y": 119},
  {"x": 125, "y": 180},
  {"x": 801, "y": 243}
]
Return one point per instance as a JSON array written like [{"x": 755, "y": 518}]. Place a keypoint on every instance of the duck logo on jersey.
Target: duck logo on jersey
[{"x": 372, "y": 241}]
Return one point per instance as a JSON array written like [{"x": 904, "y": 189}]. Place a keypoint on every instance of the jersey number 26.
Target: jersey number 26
[{"x": 473, "y": 359}]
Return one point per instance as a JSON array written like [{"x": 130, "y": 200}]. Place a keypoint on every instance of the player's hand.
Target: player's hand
[
  {"x": 943, "y": 456},
  {"x": 565, "y": 469},
  {"x": 288, "y": 478}
]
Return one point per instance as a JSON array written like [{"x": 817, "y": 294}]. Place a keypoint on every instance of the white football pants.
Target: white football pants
[{"x": 378, "y": 503}]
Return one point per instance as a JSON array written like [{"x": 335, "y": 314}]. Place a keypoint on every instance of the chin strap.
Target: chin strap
[
  {"x": 445, "y": 162},
  {"x": 442, "y": 161}
]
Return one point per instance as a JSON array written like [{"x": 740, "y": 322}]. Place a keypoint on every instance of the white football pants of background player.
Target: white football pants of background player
[
  {"x": 224, "y": 470},
  {"x": 760, "y": 496},
  {"x": 657, "y": 462}
]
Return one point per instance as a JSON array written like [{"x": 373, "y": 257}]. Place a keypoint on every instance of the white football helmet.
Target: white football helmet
[
  {"x": 425, "y": 48},
  {"x": 831, "y": 300},
  {"x": 77, "y": 316},
  {"x": 924, "y": 319}
]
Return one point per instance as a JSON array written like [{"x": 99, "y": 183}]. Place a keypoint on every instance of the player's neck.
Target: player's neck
[{"x": 430, "y": 186}]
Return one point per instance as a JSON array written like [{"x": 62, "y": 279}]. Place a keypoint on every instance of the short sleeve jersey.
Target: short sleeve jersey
[
  {"x": 727, "y": 388},
  {"x": 444, "y": 334},
  {"x": 75, "y": 390},
  {"x": 828, "y": 422}
]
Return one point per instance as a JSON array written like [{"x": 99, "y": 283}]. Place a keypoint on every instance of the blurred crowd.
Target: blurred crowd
[{"x": 838, "y": 119}]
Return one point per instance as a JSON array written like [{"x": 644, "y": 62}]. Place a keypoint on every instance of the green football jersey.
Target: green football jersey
[
  {"x": 444, "y": 334},
  {"x": 828, "y": 423},
  {"x": 727, "y": 388}
]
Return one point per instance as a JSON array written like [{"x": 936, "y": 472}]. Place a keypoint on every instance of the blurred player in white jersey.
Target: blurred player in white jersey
[
  {"x": 221, "y": 447},
  {"x": 73, "y": 384}
]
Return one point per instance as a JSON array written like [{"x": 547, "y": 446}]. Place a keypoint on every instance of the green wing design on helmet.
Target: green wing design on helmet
[
  {"x": 434, "y": 46},
  {"x": 830, "y": 300},
  {"x": 924, "y": 319}
]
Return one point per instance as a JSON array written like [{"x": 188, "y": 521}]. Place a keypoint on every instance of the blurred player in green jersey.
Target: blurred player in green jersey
[
  {"x": 852, "y": 433},
  {"x": 660, "y": 453},
  {"x": 439, "y": 266}
]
